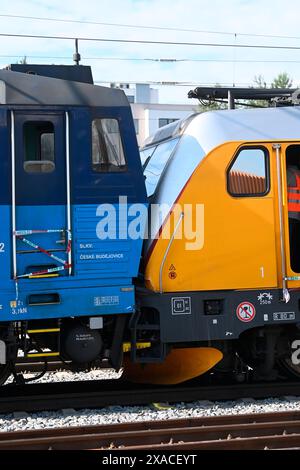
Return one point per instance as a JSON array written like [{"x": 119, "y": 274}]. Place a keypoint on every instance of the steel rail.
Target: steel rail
[
  {"x": 251, "y": 431},
  {"x": 28, "y": 365},
  {"x": 100, "y": 393}
]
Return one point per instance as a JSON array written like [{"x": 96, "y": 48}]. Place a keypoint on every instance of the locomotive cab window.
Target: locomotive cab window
[
  {"x": 248, "y": 174},
  {"x": 107, "y": 149},
  {"x": 39, "y": 154},
  {"x": 156, "y": 164}
]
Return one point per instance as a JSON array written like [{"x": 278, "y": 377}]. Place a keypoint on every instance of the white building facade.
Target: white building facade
[{"x": 148, "y": 114}]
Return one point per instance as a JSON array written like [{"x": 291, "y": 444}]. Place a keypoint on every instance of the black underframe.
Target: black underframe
[{"x": 184, "y": 316}]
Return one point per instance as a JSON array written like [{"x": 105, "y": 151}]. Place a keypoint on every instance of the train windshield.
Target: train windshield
[{"x": 155, "y": 163}]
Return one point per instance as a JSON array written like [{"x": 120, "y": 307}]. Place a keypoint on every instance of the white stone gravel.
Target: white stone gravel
[
  {"x": 68, "y": 376},
  {"x": 125, "y": 414},
  {"x": 118, "y": 414}
]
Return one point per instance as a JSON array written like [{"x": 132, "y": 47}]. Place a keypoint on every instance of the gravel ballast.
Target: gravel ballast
[
  {"x": 124, "y": 414},
  {"x": 117, "y": 414}
]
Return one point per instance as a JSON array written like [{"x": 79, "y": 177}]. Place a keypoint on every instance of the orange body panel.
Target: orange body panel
[
  {"x": 240, "y": 246},
  {"x": 180, "y": 365}
]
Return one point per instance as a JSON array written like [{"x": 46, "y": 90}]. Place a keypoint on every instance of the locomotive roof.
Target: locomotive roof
[
  {"x": 25, "y": 89},
  {"x": 213, "y": 128}
]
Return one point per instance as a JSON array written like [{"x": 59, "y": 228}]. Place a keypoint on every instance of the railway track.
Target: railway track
[
  {"x": 99, "y": 393},
  {"x": 38, "y": 366},
  {"x": 24, "y": 365},
  {"x": 260, "y": 431}
]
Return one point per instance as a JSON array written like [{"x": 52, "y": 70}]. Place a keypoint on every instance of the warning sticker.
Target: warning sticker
[
  {"x": 245, "y": 311},
  {"x": 172, "y": 275}
]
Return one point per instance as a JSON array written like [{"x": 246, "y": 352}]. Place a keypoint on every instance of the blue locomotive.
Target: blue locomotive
[{"x": 68, "y": 152}]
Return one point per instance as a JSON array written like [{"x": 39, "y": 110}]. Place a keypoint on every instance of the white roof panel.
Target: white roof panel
[{"x": 266, "y": 124}]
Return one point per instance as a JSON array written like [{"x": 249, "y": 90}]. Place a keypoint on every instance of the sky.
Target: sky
[{"x": 234, "y": 22}]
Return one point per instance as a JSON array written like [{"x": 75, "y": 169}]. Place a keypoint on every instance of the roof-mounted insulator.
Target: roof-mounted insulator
[{"x": 76, "y": 55}]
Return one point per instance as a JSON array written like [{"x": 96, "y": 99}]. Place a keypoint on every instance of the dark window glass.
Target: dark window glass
[
  {"x": 248, "y": 174},
  {"x": 107, "y": 149},
  {"x": 130, "y": 98},
  {"x": 293, "y": 204},
  {"x": 157, "y": 163},
  {"x": 39, "y": 153}
]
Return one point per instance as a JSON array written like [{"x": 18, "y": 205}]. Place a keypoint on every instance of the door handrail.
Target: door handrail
[
  {"x": 13, "y": 193},
  {"x": 167, "y": 251},
  {"x": 68, "y": 192}
]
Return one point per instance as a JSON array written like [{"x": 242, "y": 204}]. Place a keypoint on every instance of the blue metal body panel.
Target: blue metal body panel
[
  {"x": 81, "y": 301},
  {"x": 101, "y": 281}
]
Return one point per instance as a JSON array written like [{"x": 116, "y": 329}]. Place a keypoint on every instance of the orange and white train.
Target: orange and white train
[{"x": 221, "y": 266}]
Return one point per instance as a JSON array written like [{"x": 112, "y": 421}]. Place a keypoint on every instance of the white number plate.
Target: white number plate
[{"x": 283, "y": 316}]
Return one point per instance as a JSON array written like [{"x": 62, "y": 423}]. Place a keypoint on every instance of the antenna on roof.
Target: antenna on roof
[{"x": 76, "y": 55}]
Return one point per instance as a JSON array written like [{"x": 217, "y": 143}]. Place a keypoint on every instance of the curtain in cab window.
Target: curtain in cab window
[{"x": 107, "y": 148}]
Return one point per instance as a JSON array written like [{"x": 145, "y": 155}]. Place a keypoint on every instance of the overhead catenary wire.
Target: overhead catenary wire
[
  {"x": 153, "y": 59},
  {"x": 137, "y": 26},
  {"x": 97, "y": 39},
  {"x": 143, "y": 41},
  {"x": 233, "y": 46}
]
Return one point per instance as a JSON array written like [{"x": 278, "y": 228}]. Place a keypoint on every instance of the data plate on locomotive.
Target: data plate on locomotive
[{"x": 283, "y": 316}]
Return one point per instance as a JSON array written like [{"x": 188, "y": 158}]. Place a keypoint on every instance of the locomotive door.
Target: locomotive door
[
  {"x": 288, "y": 171},
  {"x": 40, "y": 195}
]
